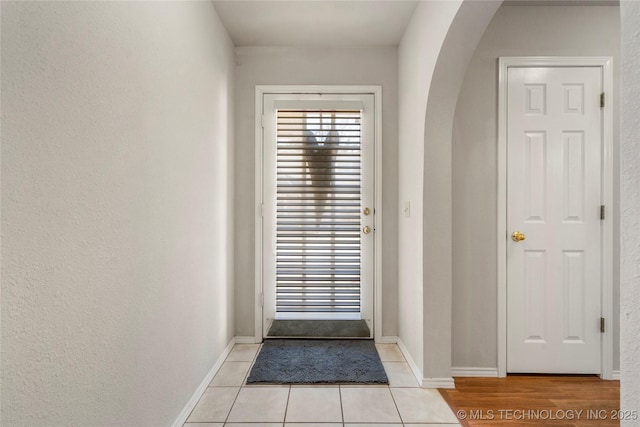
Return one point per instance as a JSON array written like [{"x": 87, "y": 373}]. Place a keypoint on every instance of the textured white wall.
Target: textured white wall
[
  {"x": 557, "y": 31},
  {"x": 417, "y": 56},
  {"x": 116, "y": 209},
  {"x": 312, "y": 66},
  {"x": 630, "y": 212}
]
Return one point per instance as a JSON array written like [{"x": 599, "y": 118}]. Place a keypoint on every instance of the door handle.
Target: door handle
[
  {"x": 366, "y": 229},
  {"x": 518, "y": 236}
]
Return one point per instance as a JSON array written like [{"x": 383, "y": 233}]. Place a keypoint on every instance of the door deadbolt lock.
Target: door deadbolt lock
[
  {"x": 366, "y": 229},
  {"x": 366, "y": 211}
]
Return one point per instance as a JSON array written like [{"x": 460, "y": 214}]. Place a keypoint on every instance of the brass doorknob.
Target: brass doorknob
[
  {"x": 518, "y": 236},
  {"x": 366, "y": 229}
]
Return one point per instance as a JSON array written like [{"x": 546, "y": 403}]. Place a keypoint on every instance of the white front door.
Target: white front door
[
  {"x": 554, "y": 143},
  {"x": 318, "y": 207}
]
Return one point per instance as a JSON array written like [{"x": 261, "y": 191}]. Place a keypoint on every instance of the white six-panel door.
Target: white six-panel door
[{"x": 553, "y": 200}]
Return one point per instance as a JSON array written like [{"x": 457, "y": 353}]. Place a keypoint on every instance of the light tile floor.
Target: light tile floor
[{"x": 230, "y": 402}]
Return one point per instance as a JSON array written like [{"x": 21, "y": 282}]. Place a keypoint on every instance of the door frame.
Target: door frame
[
  {"x": 606, "y": 230},
  {"x": 376, "y": 91}
]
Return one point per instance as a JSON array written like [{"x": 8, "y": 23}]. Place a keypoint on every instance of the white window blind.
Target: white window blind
[{"x": 318, "y": 192}]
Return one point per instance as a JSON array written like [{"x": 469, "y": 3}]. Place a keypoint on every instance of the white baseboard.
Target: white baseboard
[
  {"x": 412, "y": 364},
  {"x": 245, "y": 340},
  {"x": 424, "y": 382},
  {"x": 446, "y": 382},
  {"x": 186, "y": 411},
  {"x": 474, "y": 372},
  {"x": 615, "y": 375},
  {"x": 389, "y": 339}
]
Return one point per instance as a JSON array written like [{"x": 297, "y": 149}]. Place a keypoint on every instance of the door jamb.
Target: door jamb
[
  {"x": 606, "y": 236},
  {"x": 259, "y": 196}
]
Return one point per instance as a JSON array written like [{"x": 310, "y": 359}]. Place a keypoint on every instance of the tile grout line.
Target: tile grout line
[
  {"x": 252, "y": 363},
  {"x": 341, "y": 406},
  {"x": 396, "y": 406},
  {"x": 235, "y": 399},
  {"x": 226, "y": 420},
  {"x": 286, "y": 408}
]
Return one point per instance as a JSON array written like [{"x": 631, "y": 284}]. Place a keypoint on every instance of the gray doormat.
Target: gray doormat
[
  {"x": 319, "y": 329},
  {"x": 318, "y": 362}
]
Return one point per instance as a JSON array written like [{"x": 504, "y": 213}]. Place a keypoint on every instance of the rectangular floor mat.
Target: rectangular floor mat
[{"x": 291, "y": 361}]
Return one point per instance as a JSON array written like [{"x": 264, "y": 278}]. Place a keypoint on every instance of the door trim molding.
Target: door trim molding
[
  {"x": 376, "y": 91},
  {"x": 605, "y": 63}
]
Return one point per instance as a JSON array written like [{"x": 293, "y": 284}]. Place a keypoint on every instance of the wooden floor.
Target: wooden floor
[{"x": 534, "y": 400}]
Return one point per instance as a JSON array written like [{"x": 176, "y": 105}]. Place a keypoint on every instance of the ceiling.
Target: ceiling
[
  {"x": 320, "y": 23},
  {"x": 329, "y": 23}
]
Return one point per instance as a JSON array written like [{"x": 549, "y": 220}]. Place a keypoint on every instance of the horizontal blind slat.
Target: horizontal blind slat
[{"x": 318, "y": 211}]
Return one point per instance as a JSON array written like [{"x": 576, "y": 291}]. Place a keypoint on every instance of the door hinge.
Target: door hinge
[
  {"x": 261, "y": 299},
  {"x": 262, "y": 210},
  {"x": 262, "y": 121},
  {"x": 602, "y": 212},
  {"x": 602, "y": 100},
  {"x": 602, "y": 325}
]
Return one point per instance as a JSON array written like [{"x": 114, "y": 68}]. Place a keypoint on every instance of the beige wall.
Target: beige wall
[
  {"x": 312, "y": 66},
  {"x": 434, "y": 54},
  {"x": 117, "y": 182},
  {"x": 514, "y": 31},
  {"x": 418, "y": 54},
  {"x": 456, "y": 53}
]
